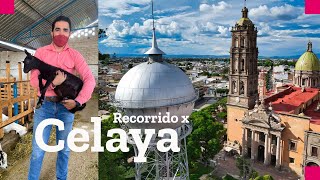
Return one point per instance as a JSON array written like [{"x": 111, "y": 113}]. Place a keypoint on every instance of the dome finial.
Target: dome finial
[
  {"x": 245, "y": 10},
  {"x": 154, "y": 50},
  {"x": 309, "y": 46}
]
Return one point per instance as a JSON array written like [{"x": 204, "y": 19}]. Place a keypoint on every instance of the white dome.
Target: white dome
[{"x": 151, "y": 85}]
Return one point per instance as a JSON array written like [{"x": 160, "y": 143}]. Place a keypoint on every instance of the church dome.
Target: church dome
[
  {"x": 308, "y": 61},
  {"x": 244, "y": 20}
]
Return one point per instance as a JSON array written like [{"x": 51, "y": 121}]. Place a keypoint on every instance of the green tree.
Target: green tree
[
  {"x": 244, "y": 166},
  {"x": 228, "y": 177},
  {"x": 104, "y": 58},
  {"x": 113, "y": 165},
  {"x": 265, "y": 177},
  {"x": 205, "y": 140},
  {"x": 268, "y": 63}
]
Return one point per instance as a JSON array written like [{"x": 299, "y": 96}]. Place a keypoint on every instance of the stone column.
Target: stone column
[
  {"x": 278, "y": 153},
  {"x": 253, "y": 148},
  {"x": 244, "y": 142},
  {"x": 299, "y": 81},
  {"x": 266, "y": 149}
]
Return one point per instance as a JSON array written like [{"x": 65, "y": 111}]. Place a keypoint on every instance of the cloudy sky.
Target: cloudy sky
[{"x": 202, "y": 27}]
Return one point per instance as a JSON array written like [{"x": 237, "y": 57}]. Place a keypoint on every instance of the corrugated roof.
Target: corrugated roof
[{"x": 30, "y": 26}]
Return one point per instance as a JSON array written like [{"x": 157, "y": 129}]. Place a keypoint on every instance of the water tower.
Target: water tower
[{"x": 151, "y": 88}]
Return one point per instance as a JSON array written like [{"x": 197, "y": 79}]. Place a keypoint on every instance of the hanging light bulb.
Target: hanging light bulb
[
  {"x": 86, "y": 30},
  {"x": 86, "y": 34},
  {"x": 93, "y": 33}
]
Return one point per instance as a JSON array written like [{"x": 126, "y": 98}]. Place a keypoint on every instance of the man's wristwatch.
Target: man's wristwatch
[{"x": 77, "y": 103}]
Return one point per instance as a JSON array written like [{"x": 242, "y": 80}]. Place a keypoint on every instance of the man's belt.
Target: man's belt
[{"x": 52, "y": 98}]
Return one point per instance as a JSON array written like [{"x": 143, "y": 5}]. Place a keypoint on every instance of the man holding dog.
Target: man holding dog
[{"x": 58, "y": 54}]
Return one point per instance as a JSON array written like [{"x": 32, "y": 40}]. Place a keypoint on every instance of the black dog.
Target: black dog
[{"x": 69, "y": 89}]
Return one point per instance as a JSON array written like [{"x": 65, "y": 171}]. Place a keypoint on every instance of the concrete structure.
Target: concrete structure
[{"x": 155, "y": 88}]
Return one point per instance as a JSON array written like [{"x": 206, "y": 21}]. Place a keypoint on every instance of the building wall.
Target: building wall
[
  {"x": 312, "y": 139},
  {"x": 295, "y": 130},
  {"x": 235, "y": 116},
  {"x": 88, "y": 47}
]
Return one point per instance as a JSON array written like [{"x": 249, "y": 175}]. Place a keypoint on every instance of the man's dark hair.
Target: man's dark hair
[{"x": 61, "y": 18}]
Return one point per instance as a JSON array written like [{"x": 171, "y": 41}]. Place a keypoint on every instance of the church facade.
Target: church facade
[{"x": 282, "y": 129}]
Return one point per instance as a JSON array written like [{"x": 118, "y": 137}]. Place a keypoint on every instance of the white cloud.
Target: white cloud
[
  {"x": 162, "y": 26},
  {"x": 173, "y": 10},
  {"x": 221, "y": 6},
  {"x": 118, "y": 8},
  {"x": 305, "y": 25},
  {"x": 118, "y": 28},
  {"x": 262, "y": 10},
  {"x": 285, "y": 12},
  {"x": 141, "y": 30},
  {"x": 264, "y": 29},
  {"x": 113, "y": 43},
  {"x": 224, "y": 31}
]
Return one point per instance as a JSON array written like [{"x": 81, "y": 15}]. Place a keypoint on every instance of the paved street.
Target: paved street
[{"x": 229, "y": 166}]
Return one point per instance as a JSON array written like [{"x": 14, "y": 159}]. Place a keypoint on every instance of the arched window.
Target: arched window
[
  {"x": 235, "y": 65},
  {"x": 241, "y": 88},
  {"x": 242, "y": 64},
  {"x": 234, "y": 86},
  {"x": 304, "y": 81},
  {"x": 236, "y": 42},
  {"x": 242, "y": 42}
]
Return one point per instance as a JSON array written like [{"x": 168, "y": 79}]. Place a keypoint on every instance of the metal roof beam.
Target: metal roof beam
[
  {"x": 42, "y": 20},
  {"x": 36, "y": 11}
]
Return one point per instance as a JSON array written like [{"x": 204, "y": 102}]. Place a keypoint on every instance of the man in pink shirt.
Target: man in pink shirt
[{"x": 58, "y": 54}]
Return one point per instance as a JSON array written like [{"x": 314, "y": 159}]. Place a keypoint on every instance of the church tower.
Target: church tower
[{"x": 243, "y": 75}]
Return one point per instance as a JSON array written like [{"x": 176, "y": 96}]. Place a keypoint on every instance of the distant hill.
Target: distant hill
[{"x": 207, "y": 56}]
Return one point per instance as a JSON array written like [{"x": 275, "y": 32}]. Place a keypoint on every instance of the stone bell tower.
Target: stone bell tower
[{"x": 243, "y": 74}]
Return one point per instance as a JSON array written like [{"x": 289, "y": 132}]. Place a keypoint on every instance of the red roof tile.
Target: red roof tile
[{"x": 291, "y": 98}]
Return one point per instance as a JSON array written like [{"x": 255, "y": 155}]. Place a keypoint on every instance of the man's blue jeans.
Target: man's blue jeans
[{"x": 58, "y": 111}]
